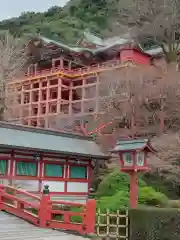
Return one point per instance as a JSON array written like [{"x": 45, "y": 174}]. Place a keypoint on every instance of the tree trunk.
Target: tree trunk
[{"x": 172, "y": 60}]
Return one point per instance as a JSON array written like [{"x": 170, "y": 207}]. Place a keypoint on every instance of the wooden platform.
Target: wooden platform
[{"x": 13, "y": 228}]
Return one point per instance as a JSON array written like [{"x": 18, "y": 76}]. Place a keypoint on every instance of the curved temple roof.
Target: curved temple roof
[
  {"x": 42, "y": 140},
  {"x": 102, "y": 44},
  {"x": 135, "y": 144}
]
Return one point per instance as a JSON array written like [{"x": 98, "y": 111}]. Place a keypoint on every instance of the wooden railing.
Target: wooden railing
[
  {"x": 79, "y": 71},
  {"x": 46, "y": 213}
]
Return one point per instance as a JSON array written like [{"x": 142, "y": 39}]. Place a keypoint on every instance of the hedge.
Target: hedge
[{"x": 154, "y": 224}]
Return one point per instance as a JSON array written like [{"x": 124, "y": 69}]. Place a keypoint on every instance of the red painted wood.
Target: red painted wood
[
  {"x": 4, "y": 157},
  {"x": 134, "y": 190},
  {"x": 89, "y": 176},
  {"x": 90, "y": 219},
  {"x": 45, "y": 211},
  {"x": 11, "y": 165},
  {"x": 83, "y": 194},
  {"x": 21, "y": 214},
  {"x": 135, "y": 56},
  {"x": 40, "y": 174},
  {"x": 50, "y": 155},
  {"x": 66, "y": 177},
  {"x": 136, "y": 168}
]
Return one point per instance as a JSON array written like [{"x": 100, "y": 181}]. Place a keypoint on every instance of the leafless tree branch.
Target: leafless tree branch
[
  {"x": 12, "y": 61},
  {"x": 150, "y": 19}
]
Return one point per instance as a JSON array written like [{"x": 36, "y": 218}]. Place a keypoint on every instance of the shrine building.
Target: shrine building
[{"x": 33, "y": 157}]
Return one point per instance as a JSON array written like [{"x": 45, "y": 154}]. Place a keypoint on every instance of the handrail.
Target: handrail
[
  {"x": 20, "y": 191},
  {"x": 33, "y": 205},
  {"x": 44, "y": 211},
  {"x": 73, "y": 73},
  {"x": 66, "y": 203},
  {"x": 14, "y": 204}
]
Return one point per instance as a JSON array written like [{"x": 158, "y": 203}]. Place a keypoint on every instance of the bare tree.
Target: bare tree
[
  {"x": 126, "y": 97},
  {"x": 151, "y": 20},
  {"x": 12, "y": 61},
  {"x": 141, "y": 100},
  {"x": 145, "y": 100}
]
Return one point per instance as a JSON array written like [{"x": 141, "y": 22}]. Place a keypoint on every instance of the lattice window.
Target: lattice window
[
  {"x": 3, "y": 167},
  {"x": 128, "y": 159},
  {"x": 78, "y": 172},
  {"x": 53, "y": 170},
  {"x": 26, "y": 169}
]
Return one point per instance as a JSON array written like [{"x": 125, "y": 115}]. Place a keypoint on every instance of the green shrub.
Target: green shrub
[
  {"x": 148, "y": 196},
  {"x": 60, "y": 217},
  {"x": 154, "y": 224},
  {"x": 120, "y": 200},
  {"x": 114, "y": 182},
  {"x": 113, "y": 193},
  {"x": 76, "y": 219}
]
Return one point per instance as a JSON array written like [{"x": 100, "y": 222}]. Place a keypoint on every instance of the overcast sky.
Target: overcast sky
[{"x": 13, "y": 8}]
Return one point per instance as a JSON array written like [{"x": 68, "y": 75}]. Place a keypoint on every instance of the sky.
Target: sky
[{"x": 14, "y": 8}]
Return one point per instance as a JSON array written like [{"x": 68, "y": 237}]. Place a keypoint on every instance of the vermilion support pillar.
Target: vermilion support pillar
[
  {"x": 44, "y": 211},
  {"x": 1, "y": 198},
  {"x": 90, "y": 217},
  {"x": 133, "y": 189}
]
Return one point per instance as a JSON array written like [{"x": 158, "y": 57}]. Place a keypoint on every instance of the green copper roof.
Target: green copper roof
[
  {"x": 93, "y": 39},
  {"x": 102, "y": 44},
  {"x": 109, "y": 42},
  {"x": 128, "y": 145},
  {"x": 22, "y": 137},
  {"x": 62, "y": 45}
]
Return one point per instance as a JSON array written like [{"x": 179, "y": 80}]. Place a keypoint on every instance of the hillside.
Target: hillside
[{"x": 65, "y": 24}]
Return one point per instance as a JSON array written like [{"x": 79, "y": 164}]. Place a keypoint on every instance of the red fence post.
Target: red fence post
[
  {"x": 44, "y": 210},
  {"x": 90, "y": 218},
  {"x": 1, "y": 198}
]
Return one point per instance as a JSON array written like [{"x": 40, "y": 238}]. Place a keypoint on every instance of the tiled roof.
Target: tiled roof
[
  {"x": 136, "y": 144},
  {"x": 23, "y": 137}
]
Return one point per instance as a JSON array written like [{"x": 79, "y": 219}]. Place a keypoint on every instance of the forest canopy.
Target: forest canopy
[{"x": 61, "y": 23}]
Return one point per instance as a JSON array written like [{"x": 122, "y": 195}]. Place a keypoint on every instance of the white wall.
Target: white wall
[
  {"x": 4, "y": 181},
  {"x": 77, "y": 187},
  {"x": 54, "y": 186},
  {"x": 29, "y": 185},
  {"x": 70, "y": 198}
]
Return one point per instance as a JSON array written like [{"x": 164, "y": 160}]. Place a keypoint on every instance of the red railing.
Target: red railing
[
  {"x": 46, "y": 213},
  {"x": 74, "y": 72}
]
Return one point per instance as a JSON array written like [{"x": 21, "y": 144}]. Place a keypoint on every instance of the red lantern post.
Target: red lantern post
[{"x": 133, "y": 159}]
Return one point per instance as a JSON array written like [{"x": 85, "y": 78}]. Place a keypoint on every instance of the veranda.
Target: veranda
[{"x": 32, "y": 157}]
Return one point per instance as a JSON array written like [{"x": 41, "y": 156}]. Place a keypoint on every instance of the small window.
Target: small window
[
  {"x": 78, "y": 172},
  {"x": 128, "y": 159},
  {"x": 26, "y": 169},
  {"x": 140, "y": 159},
  {"x": 3, "y": 167},
  {"x": 53, "y": 170}
]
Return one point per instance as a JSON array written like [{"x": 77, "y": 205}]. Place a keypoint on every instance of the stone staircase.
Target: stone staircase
[{"x": 14, "y": 228}]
